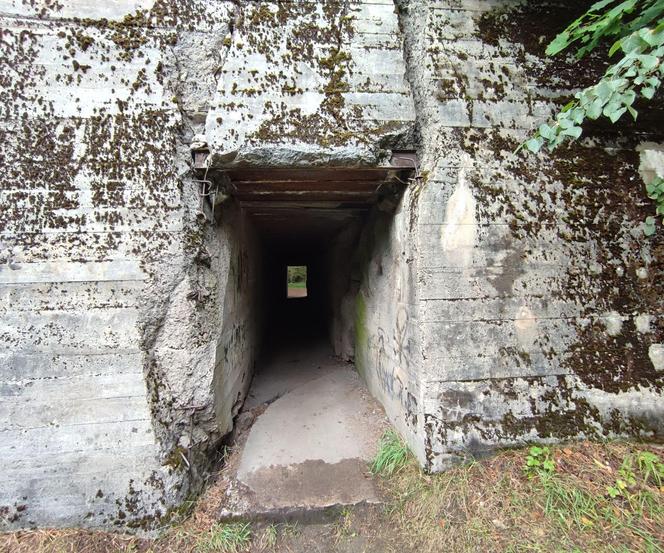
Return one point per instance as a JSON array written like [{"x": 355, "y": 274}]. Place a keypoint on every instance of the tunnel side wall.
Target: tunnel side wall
[
  {"x": 539, "y": 297},
  {"x": 386, "y": 326},
  {"x": 240, "y": 315},
  {"x": 344, "y": 270}
]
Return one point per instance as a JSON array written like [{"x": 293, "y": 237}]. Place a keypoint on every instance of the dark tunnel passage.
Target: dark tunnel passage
[
  {"x": 306, "y": 338},
  {"x": 326, "y": 245},
  {"x": 325, "y": 219},
  {"x": 314, "y": 217}
]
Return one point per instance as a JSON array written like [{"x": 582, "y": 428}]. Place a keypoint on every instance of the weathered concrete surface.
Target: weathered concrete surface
[
  {"x": 120, "y": 305},
  {"x": 385, "y": 323},
  {"x": 127, "y": 339},
  {"x": 310, "y": 446},
  {"x": 312, "y": 83},
  {"x": 504, "y": 299},
  {"x": 292, "y": 365},
  {"x": 535, "y": 285}
]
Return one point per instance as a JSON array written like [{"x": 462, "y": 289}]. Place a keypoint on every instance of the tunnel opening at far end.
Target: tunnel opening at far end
[{"x": 296, "y": 281}]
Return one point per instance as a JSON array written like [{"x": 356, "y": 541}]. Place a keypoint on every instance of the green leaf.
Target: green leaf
[
  {"x": 617, "y": 84},
  {"x": 595, "y": 109},
  {"x": 577, "y": 115},
  {"x": 565, "y": 123},
  {"x": 615, "y": 115},
  {"x": 648, "y": 92},
  {"x": 558, "y": 44},
  {"x": 648, "y": 62},
  {"x": 546, "y": 132},
  {"x": 616, "y": 46},
  {"x": 632, "y": 43},
  {"x": 603, "y": 89},
  {"x": 534, "y": 144},
  {"x": 628, "y": 97},
  {"x": 574, "y": 132},
  {"x": 649, "y": 36},
  {"x": 568, "y": 106}
]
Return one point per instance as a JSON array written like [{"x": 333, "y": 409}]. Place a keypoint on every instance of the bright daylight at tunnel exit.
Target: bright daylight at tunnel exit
[
  {"x": 296, "y": 281},
  {"x": 331, "y": 276}
]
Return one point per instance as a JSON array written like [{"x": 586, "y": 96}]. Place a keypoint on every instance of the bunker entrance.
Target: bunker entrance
[
  {"x": 310, "y": 227},
  {"x": 304, "y": 408},
  {"x": 309, "y": 223}
]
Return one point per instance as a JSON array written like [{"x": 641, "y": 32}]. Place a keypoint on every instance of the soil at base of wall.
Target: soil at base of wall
[{"x": 492, "y": 505}]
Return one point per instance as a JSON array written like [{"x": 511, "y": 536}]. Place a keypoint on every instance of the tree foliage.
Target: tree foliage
[
  {"x": 635, "y": 30},
  {"x": 297, "y": 273}
]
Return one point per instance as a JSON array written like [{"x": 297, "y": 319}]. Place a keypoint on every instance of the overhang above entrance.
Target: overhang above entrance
[
  {"x": 309, "y": 187},
  {"x": 306, "y": 204}
]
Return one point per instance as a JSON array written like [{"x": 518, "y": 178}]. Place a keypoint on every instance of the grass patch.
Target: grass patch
[
  {"x": 540, "y": 499},
  {"x": 343, "y": 527},
  {"x": 226, "y": 538},
  {"x": 273, "y": 534},
  {"x": 392, "y": 456}
]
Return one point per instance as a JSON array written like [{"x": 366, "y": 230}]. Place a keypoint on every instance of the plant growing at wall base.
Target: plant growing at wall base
[
  {"x": 539, "y": 461},
  {"x": 226, "y": 538},
  {"x": 392, "y": 455},
  {"x": 635, "y": 29},
  {"x": 651, "y": 467},
  {"x": 626, "y": 479}
]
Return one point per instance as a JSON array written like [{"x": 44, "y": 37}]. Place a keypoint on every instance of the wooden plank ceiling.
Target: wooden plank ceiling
[{"x": 312, "y": 203}]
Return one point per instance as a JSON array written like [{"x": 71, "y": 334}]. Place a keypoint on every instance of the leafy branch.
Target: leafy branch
[
  {"x": 638, "y": 73},
  {"x": 637, "y": 29},
  {"x": 595, "y": 25}
]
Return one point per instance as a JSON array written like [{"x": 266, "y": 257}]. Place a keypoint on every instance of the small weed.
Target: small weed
[
  {"x": 651, "y": 468},
  {"x": 569, "y": 504},
  {"x": 392, "y": 455},
  {"x": 268, "y": 539},
  {"x": 226, "y": 538},
  {"x": 270, "y": 536},
  {"x": 290, "y": 529},
  {"x": 627, "y": 479},
  {"x": 344, "y": 526},
  {"x": 651, "y": 472},
  {"x": 539, "y": 462}
]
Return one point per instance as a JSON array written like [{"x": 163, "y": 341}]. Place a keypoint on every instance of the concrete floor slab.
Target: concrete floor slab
[
  {"x": 309, "y": 448},
  {"x": 289, "y": 367}
]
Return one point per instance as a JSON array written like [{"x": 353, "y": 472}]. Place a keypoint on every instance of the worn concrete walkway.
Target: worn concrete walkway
[{"x": 309, "y": 447}]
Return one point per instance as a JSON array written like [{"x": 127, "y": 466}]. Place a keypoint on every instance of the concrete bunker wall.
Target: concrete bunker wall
[
  {"x": 386, "y": 328},
  {"x": 120, "y": 297},
  {"x": 539, "y": 297},
  {"x": 122, "y": 305},
  {"x": 506, "y": 299}
]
